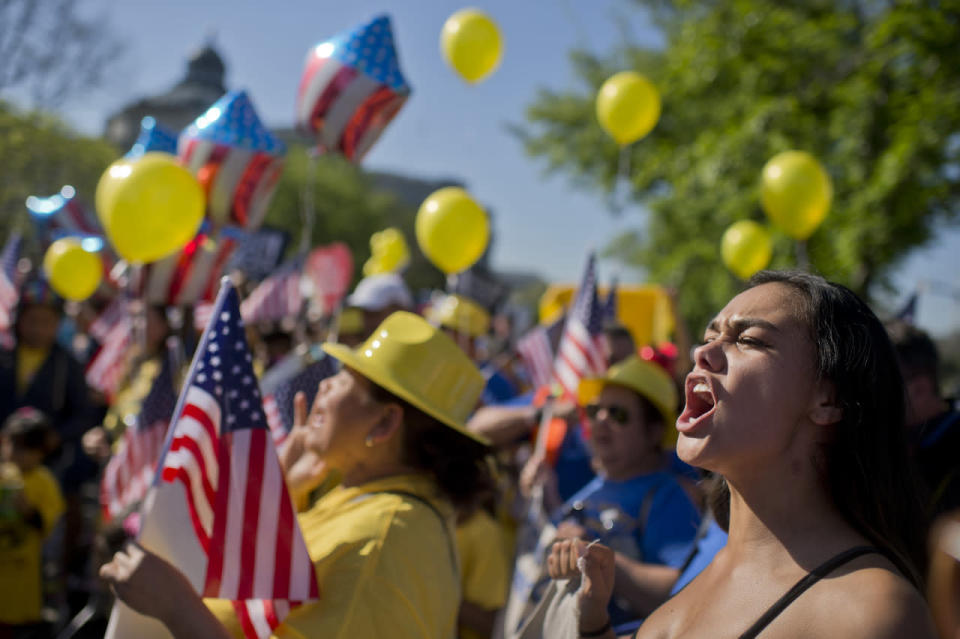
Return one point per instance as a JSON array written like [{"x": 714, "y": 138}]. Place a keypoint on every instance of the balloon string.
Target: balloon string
[
  {"x": 620, "y": 193},
  {"x": 803, "y": 261},
  {"x": 307, "y": 210},
  {"x": 139, "y": 317}
]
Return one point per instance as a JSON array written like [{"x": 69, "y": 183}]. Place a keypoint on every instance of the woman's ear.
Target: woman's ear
[
  {"x": 826, "y": 411},
  {"x": 388, "y": 425}
]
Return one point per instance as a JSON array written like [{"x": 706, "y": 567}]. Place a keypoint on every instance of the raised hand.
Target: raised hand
[
  {"x": 302, "y": 468},
  {"x": 594, "y": 564}
]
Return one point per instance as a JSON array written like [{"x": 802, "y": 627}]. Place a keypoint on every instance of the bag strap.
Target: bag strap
[{"x": 443, "y": 521}]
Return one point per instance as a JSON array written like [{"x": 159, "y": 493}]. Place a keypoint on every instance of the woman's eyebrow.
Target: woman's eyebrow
[{"x": 740, "y": 324}]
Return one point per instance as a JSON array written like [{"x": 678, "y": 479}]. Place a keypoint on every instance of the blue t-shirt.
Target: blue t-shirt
[
  {"x": 498, "y": 388},
  {"x": 648, "y": 518},
  {"x": 708, "y": 546}
]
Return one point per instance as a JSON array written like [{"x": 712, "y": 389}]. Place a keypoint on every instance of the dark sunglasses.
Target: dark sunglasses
[{"x": 618, "y": 414}]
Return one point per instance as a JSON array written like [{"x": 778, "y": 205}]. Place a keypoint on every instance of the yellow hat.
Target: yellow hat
[
  {"x": 419, "y": 364},
  {"x": 460, "y": 314},
  {"x": 350, "y": 322},
  {"x": 646, "y": 379}
]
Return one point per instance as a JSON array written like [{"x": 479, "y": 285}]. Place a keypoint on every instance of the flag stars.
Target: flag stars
[
  {"x": 244, "y": 405},
  {"x": 201, "y": 378},
  {"x": 217, "y": 376},
  {"x": 213, "y": 348},
  {"x": 215, "y": 360},
  {"x": 247, "y": 380},
  {"x": 236, "y": 369}
]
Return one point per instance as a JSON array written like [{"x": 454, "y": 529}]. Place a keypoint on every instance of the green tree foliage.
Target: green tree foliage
[
  {"x": 348, "y": 208},
  {"x": 871, "y": 88},
  {"x": 38, "y": 155}
]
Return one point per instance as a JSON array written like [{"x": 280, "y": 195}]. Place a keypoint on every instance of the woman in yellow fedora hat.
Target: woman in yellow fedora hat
[{"x": 391, "y": 424}]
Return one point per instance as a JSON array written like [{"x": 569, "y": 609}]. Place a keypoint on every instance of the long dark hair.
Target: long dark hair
[
  {"x": 457, "y": 463},
  {"x": 865, "y": 465}
]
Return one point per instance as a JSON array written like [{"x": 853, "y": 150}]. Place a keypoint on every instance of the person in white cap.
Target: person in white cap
[{"x": 375, "y": 298}]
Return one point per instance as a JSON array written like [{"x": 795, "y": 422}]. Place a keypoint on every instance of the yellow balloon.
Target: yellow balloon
[
  {"x": 796, "y": 193},
  {"x": 72, "y": 272},
  {"x": 150, "y": 206},
  {"x": 373, "y": 266},
  {"x": 746, "y": 248},
  {"x": 628, "y": 106},
  {"x": 471, "y": 44},
  {"x": 452, "y": 229},
  {"x": 389, "y": 250}
]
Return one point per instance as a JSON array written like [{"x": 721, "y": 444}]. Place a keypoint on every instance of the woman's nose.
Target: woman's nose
[{"x": 709, "y": 356}]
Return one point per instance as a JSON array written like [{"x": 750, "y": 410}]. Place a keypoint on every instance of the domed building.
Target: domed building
[{"x": 175, "y": 109}]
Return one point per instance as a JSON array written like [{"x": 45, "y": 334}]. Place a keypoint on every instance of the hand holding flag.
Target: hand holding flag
[{"x": 219, "y": 510}]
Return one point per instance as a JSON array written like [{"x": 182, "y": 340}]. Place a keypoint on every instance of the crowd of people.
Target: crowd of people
[{"x": 781, "y": 482}]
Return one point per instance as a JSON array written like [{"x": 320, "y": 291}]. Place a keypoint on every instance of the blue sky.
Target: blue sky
[{"x": 447, "y": 128}]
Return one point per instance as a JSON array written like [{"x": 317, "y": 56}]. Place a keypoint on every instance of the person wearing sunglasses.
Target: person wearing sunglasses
[{"x": 635, "y": 505}]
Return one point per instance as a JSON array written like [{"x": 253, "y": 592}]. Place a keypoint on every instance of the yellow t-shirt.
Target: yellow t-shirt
[
  {"x": 29, "y": 361},
  {"x": 383, "y": 563},
  {"x": 484, "y": 564},
  {"x": 21, "y": 586}
]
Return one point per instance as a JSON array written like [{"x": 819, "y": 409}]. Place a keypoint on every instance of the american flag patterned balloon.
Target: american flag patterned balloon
[
  {"x": 351, "y": 89},
  {"x": 236, "y": 160}
]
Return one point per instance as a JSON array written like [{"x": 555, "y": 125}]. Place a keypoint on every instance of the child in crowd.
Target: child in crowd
[{"x": 30, "y": 505}]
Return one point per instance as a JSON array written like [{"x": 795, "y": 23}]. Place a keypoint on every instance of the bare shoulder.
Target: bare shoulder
[{"x": 869, "y": 599}]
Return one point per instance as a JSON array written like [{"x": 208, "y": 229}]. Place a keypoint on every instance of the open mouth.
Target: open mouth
[{"x": 700, "y": 402}]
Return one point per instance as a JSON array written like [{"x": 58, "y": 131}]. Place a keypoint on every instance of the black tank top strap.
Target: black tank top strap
[{"x": 810, "y": 579}]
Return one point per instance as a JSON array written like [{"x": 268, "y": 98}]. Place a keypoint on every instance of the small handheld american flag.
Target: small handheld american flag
[
  {"x": 579, "y": 354},
  {"x": 219, "y": 509},
  {"x": 130, "y": 471}
]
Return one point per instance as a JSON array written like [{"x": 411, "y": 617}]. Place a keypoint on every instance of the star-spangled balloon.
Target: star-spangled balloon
[
  {"x": 232, "y": 121},
  {"x": 237, "y": 162},
  {"x": 153, "y": 137},
  {"x": 370, "y": 49},
  {"x": 351, "y": 89}
]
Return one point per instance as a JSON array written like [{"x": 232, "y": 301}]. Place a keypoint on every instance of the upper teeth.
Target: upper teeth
[{"x": 701, "y": 388}]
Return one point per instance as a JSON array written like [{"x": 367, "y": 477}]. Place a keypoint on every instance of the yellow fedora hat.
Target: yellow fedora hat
[
  {"x": 418, "y": 363},
  {"x": 645, "y": 378},
  {"x": 460, "y": 314}
]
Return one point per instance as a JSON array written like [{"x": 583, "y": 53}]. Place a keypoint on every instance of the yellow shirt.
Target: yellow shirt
[
  {"x": 21, "y": 587},
  {"x": 383, "y": 564},
  {"x": 29, "y": 361},
  {"x": 484, "y": 563}
]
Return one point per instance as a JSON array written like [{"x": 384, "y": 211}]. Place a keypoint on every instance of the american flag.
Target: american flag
[
  {"x": 278, "y": 401},
  {"x": 610, "y": 303},
  {"x": 908, "y": 312},
  {"x": 9, "y": 293},
  {"x": 108, "y": 318},
  {"x": 579, "y": 354},
  {"x": 276, "y": 297},
  {"x": 108, "y": 365},
  {"x": 536, "y": 348},
  {"x": 351, "y": 89},
  {"x": 220, "y": 477},
  {"x": 130, "y": 471}
]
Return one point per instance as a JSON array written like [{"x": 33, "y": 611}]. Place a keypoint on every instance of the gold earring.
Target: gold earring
[{"x": 368, "y": 442}]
